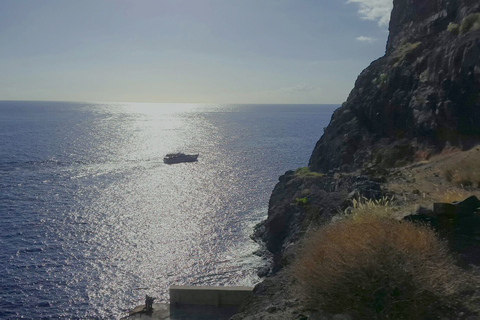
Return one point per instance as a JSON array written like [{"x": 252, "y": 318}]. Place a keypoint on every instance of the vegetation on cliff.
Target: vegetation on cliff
[{"x": 376, "y": 267}]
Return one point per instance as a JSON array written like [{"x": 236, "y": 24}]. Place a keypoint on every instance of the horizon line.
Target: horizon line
[{"x": 137, "y": 102}]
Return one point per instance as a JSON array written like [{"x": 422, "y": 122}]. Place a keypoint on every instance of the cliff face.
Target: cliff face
[
  {"x": 421, "y": 97},
  {"x": 289, "y": 218}
]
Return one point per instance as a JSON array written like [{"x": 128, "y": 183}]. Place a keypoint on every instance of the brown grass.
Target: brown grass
[
  {"x": 452, "y": 195},
  {"x": 466, "y": 172},
  {"x": 424, "y": 183},
  {"x": 376, "y": 268},
  {"x": 384, "y": 207}
]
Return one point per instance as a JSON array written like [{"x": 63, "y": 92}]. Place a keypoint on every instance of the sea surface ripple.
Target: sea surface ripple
[{"x": 92, "y": 219}]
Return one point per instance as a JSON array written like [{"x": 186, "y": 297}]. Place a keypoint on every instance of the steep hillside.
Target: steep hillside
[{"x": 419, "y": 99}]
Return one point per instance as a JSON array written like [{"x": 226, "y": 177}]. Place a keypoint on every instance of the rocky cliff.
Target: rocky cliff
[
  {"x": 420, "y": 98},
  {"x": 302, "y": 199}
]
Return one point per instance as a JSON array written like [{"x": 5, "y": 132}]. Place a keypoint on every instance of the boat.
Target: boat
[{"x": 172, "y": 158}]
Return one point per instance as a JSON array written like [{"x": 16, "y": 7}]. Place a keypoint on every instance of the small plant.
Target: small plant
[
  {"x": 470, "y": 23},
  {"x": 301, "y": 201},
  {"x": 304, "y": 172},
  {"x": 424, "y": 77},
  {"x": 376, "y": 268},
  {"x": 384, "y": 207},
  {"x": 453, "y": 28},
  {"x": 383, "y": 78},
  {"x": 402, "y": 51}
]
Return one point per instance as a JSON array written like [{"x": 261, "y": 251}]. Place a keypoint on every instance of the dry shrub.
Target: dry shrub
[
  {"x": 465, "y": 172},
  {"x": 376, "y": 268},
  {"x": 452, "y": 195},
  {"x": 383, "y": 207}
]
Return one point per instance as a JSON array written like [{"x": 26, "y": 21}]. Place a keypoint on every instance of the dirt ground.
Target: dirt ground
[{"x": 426, "y": 182}]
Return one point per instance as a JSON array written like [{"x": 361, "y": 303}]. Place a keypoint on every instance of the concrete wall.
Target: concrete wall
[{"x": 209, "y": 296}]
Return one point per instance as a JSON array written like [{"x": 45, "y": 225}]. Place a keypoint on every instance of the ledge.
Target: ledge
[{"x": 209, "y": 295}]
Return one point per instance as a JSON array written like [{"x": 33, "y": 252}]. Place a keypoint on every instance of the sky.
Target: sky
[{"x": 188, "y": 51}]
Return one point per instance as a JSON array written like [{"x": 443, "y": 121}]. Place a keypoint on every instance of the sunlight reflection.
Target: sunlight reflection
[
  {"x": 155, "y": 109},
  {"x": 112, "y": 222}
]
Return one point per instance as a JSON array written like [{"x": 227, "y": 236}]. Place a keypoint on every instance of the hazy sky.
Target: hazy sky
[{"x": 210, "y": 51}]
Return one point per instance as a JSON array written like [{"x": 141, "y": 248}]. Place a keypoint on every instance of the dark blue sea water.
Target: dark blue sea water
[{"x": 91, "y": 219}]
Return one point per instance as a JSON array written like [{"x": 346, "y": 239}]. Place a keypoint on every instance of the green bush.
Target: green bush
[
  {"x": 383, "y": 79},
  {"x": 402, "y": 51},
  {"x": 470, "y": 23},
  {"x": 304, "y": 172},
  {"x": 301, "y": 201},
  {"x": 453, "y": 28},
  {"x": 376, "y": 268}
]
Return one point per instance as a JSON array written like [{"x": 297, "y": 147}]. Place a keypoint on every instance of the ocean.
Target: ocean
[{"x": 91, "y": 219}]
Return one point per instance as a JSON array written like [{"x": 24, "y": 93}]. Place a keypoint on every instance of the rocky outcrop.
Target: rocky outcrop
[
  {"x": 458, "y": 223},
  {"x": 300, "y": 201},
  {"x": 421, "y": 97}
]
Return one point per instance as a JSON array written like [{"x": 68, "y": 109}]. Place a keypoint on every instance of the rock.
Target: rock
[
  {"x": 288, "y": 256},
  {"x": 367, "y": 188},
  {"x": 457, "y": 210},
  {"x": 287, "y": 222},
  {"x": 423, "y": 94},
  {"x": 263, "y": 272},
  {"x": 447, "y": 210},
  {"x": 468, "y": 206},
  {"x": 424, "y": 211},
  {"x": 271, "y": 309},
  {"x": 458, "y": 223}
]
